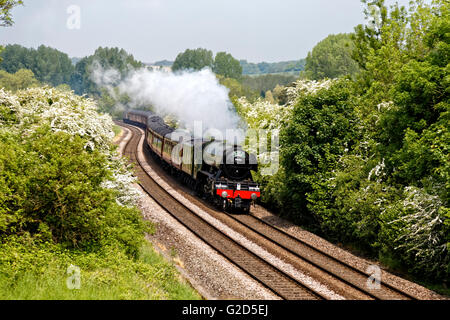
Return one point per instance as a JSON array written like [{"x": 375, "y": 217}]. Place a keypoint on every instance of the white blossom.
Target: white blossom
[
  {"x": 75, "y": 115},
  {"x": 306, "y": 87},
  {"x": 122, "y": 181},
  {"x": 422, "y": 233},
  {"x": 378, "y": 171},
  {"x": 63, "y": 111},
  {"x": 385, "y": 105},
  {"x": 263, "y": 114}
]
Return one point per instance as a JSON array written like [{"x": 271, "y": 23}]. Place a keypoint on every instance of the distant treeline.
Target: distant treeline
[
  {"x": 331, "y": 58},
  {"x": 249, "y": 68},
  {"x": 294, "y": 67},
  {"x": 47, "y": 64},
  {"x": 24, "y": 67},
  {"x": 163, "y": 63},
  {"x": 53, "y": 67},
  {"x": 267, "y": 82}
]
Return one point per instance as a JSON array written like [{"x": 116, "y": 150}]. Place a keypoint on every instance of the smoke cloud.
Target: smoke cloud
[{"x": 187, "y": 96}]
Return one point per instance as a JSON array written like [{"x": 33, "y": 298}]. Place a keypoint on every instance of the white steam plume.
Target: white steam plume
[{"x": 188, "y": 96}]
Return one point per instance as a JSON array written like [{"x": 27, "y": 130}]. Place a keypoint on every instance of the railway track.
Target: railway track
[
  {"x": 272, "y": 277},
  {"x": 276, "y": 280},
  {"x": 340, "y": 270}
]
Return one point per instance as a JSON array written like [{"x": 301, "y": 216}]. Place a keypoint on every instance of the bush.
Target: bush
[
  {"x": 323, "y": 126},
  {"x": 66, "y": 198},
  {"x": 365, "y": 162},
  {"x": 61, "y": 179},
  {"x": 51, "y": 187}
]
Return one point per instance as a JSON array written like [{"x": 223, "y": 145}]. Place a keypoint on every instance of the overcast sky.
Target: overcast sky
[{"x": 256, "y": 30}]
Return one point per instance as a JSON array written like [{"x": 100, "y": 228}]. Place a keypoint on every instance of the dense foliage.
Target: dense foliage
[
  {"x": 22, "y": 79},
  {"x": 195, "y": 59},
  {"x": 331, "y": 58},
  {"x": 62, "y": 182},
  {"x": 48, "y": 65},
  {"x": 66, "y": 198},
  {"x": 227, "y": 66},
  {"x": 365, "y": 161},
  {"x": 90, "y": 70}
]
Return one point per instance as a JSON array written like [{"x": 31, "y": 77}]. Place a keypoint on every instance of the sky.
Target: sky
[{"x": 153, "y": 30}]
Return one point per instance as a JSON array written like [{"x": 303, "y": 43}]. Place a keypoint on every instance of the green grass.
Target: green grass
[
  {"x": 29, "y": 271},
  {"x": 116, "y": 130}
]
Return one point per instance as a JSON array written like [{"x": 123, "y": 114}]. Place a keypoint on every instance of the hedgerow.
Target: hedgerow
[
  {"x": 61, "y": 179},
  {"x": 66, "y": 197},
  {"x": 365, "y": 162}
]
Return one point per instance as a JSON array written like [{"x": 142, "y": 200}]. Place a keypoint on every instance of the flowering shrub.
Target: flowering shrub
[
  {"x": 422, "y": 235},
  {"x": 262, "y": 114},
  {"x": 61, "y": 178},
  {"x": 315, "y": 125},
  {"x": 65, "y": 198},
  {"x": 366, "y": 160},
  {"x": 9, "y": 104},
  {"x": 72, "y": 114},
  {"x": 334, "y": 178},
  {"x": 306, "y": 87},
  {"x": 121, "y": 181},
  {"x": 265, "y": 115},
  {"x": 64, "y": 111}
]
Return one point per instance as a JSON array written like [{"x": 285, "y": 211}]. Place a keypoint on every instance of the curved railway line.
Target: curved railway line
[
  {"x": 332, "y": 272},
  {"x": 274, "y": 279},
  {"x": 342, "y": 271}
]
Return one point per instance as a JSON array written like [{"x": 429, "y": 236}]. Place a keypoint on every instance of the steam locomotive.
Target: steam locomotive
[{"x": 214, "y": 169}]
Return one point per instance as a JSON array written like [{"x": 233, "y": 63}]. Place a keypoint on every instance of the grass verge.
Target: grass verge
[{"x": 39, "y": 271}]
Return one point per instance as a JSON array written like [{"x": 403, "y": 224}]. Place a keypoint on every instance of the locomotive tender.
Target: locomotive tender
[{"x": 213, "y": 168}]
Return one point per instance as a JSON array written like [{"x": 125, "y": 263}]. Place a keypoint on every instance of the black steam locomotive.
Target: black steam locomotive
[{"x": 215, "y": 169}]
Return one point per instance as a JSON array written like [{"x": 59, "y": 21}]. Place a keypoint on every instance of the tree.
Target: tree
[
  {"x": 364, "y": 160},
  {"x": 227, "y": 66},
  {"x": 193, "y": 60},
  {"x": 278, "y": 93},
  {"x": 391, "y": 192},
  {"x": 5, "y": 15},
  {"x": 269, "y": 97},
  {"x": 22, "y": 79},
  {"x": 104, "y": 59},
  {"x": 331, "y": 58},
  {"x": 48, "y": 65},
  {"x": 321, "y": 128},
  {"x": 5, "y": 11},
  {"x": 263, "y": 83},
  {"x": 16, "y": 57},
  {"x": 52, "y": 66}
]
